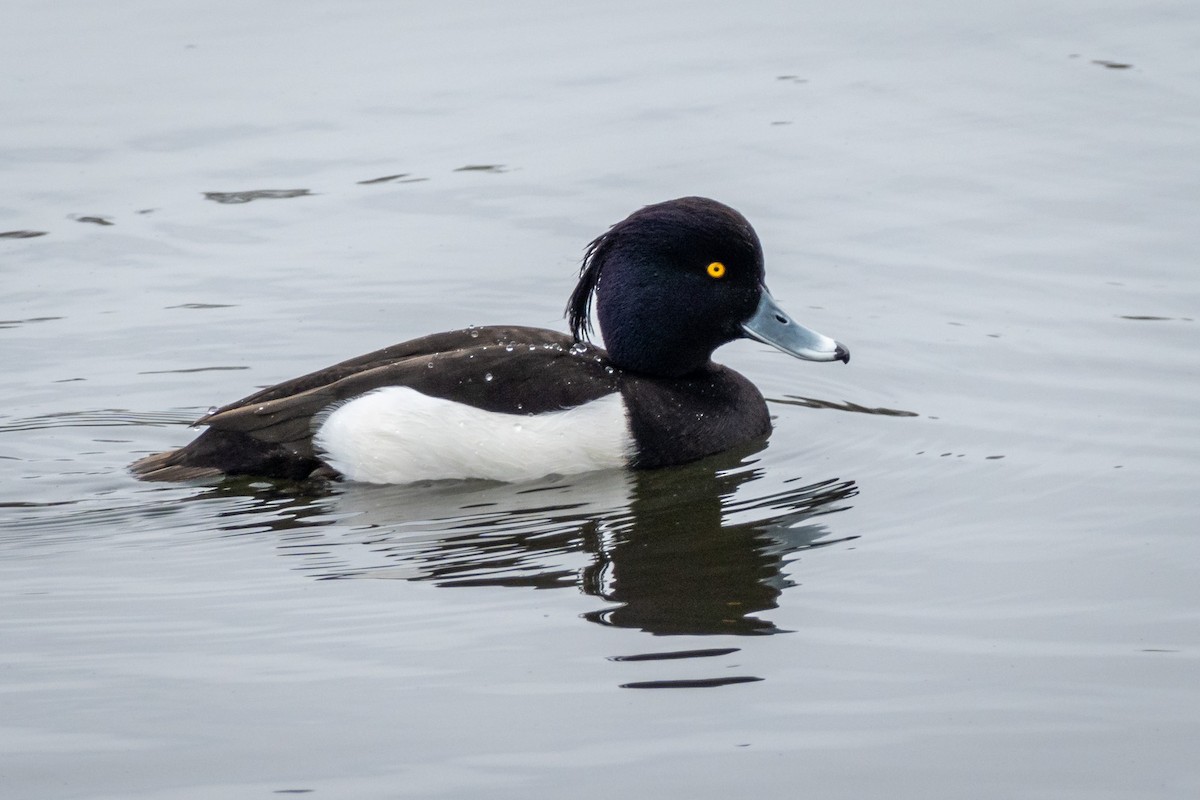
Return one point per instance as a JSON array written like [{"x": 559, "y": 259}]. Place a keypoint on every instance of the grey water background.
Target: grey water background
[{"x": 963, "y": 566}]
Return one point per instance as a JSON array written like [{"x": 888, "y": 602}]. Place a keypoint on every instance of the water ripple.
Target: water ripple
[{"x": 97, "y": 418}]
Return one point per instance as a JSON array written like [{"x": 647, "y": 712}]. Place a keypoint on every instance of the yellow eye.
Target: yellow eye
[{"x": 716, "y": 270}]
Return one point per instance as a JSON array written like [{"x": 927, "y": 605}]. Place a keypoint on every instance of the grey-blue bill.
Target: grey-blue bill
[{"x": 771, "y": 325}]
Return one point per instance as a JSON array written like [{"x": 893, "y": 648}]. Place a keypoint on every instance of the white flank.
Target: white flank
[{"x": 398, "y": 435}]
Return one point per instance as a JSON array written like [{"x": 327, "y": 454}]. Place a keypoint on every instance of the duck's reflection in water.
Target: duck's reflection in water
[
  {"x": 696, "y": 559},
  {"x": 688, "y": 550}
]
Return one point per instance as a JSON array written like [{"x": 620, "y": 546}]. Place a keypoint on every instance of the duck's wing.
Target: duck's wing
[
  {"x": 434, "y": 344},
  {"x": 507, "y": 370},
  {"x": 513, "y": 370}
]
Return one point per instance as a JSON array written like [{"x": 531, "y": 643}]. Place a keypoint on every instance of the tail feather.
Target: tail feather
[
  {"x": 217, "y": 453},
  {"x": 171, "y": 466}
]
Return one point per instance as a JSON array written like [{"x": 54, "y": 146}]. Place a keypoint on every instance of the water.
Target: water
[{"x": 961, "y": 567}]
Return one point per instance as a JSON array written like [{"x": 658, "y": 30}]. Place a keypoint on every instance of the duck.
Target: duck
[{"x": 669, "y": 284}]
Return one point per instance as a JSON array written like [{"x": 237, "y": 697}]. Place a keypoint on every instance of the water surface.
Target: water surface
[{"x": 962, "y": 565}]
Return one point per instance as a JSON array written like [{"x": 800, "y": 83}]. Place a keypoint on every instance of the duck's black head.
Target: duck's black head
[{"x": 676, "y": 280}]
